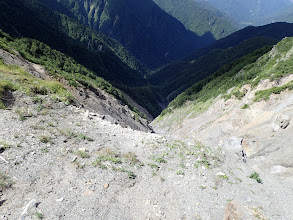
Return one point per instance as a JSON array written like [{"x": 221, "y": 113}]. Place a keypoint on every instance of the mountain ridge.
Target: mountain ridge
[
  {"x": 195, "y": 66},
  {"x": 135, "y": 25},
  {"x": 199, "y": 19}
]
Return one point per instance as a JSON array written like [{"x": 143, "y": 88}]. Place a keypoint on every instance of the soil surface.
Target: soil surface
[{"x": 68, "y": 163}]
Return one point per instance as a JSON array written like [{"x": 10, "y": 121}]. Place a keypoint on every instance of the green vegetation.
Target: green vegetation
[
  {"x": 84, "y": 137},
  {"x": 137, "y": 26},
  {"x": 15, "y": 78},
  {"x": 39, "y": 215},
  {"x": 68, "y": 133},
  {"x": 109, "y": 159},
  {"x": 177, "y": 77},
  {"x": 45, "y": 150},
  {"x": 60, "y": 66},
  {"x": 245, "y": 106},
  {"x": 5, "y": 86},
  {"x": 225, "y": 177},
  {"x": 104, "y": 158},
  {"x": 4, "y": 145},
  {"x": 5, "y": 181},
  {"x": 198, "y": 19},
  {"x": 265, "y": 94},
  {"x": 202, "y": 187},
  {"x": 83, "y": 154},
  {"x": 72, "y": 51},
  {"x": 130, "y": 174},
  {"x": 154, "y": 166},
  {"x": 132, "y": 158},
  {"x": 250, "y": 69},
  {"x": 45, "y": 139},
  {"x": 180, "y": 173},
  {"x": 256, "y": 177}
]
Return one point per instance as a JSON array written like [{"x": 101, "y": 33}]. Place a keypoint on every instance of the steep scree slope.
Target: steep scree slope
[{"x": 251, "y": 110}]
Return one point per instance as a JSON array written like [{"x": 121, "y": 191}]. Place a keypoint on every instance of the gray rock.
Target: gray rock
[
  {"x": 281, "y": 122},
  {"x": 232, "y": 144}
]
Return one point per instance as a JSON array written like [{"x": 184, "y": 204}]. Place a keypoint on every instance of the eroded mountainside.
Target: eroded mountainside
[
  {"x": 176, "y": 77},
  {"x": 248, "y": 109},
  {"x": 59, "y": 161},
  {"x": 43, "y": 27}
]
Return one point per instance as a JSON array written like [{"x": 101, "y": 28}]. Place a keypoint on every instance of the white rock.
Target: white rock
[{"x": 60, "y": 199}]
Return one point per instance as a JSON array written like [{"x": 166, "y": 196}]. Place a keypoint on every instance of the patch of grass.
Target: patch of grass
[
  {"x": 130, "y": 174},
  {"x": 180, "y": 173},
  {"x": 39, "y": 215},
  {"x": 37, "y": 127},
  {"x": 245, "y": 106},
  {"x": 5, "y": 181},
  {"x": 4, "y": 145},
  {"x": 67, "y": 133},
  {"x": 84, "y": 137},
  {"x": 45, "y": 150},
  {"x": 24, "y": 114},
  {"x": 45, "y": 139},
  {"x": 154, "y": 166},
  {"x": 202, "y": 187},
  {"x": 112, "y": 158},
  {"x": 39, "y": 108},
  {"x": 225, "y": 177},
  {"x": 37, "y": 99},
  {"x": 265, "y": 94},
  {"x": 238, "y": 179},
  {"x": 160, "y": 160},
  {"x": 132, "y": 158},
  {"x": 258, "y": 213},
  {"x": 256, "y": 177},
  {"x": 82, "y": 154},
  {"x": 18, "y": 79},
  {"x": 51, "y": 124}
]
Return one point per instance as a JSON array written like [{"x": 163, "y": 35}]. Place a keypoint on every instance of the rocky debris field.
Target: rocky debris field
[{"x": 58, "y": 161}]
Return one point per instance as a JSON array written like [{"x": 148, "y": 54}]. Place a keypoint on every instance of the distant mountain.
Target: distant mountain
[
  {"x": 249, "y": 12},
  {"x": 178, "y": 76},
  {"x": 104, "y": 57},
  {"x": 149, "y": 33},
  {"x": 283, "y": 15},
  {"x": 199, "y": 19}
]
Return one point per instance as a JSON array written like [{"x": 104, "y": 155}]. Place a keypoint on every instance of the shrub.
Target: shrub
[{"x": 255, "y": 176}]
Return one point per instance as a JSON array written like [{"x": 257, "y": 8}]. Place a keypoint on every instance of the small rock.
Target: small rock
[
  {"x": 284, "y": 123},
  {"x": 106, "y": 185},
  {"x": 281, "y": 122},
  {"x": 74, "y": 159},
  {"x": 82, "y": 149},
  {"x": 60, "y": 199}
]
